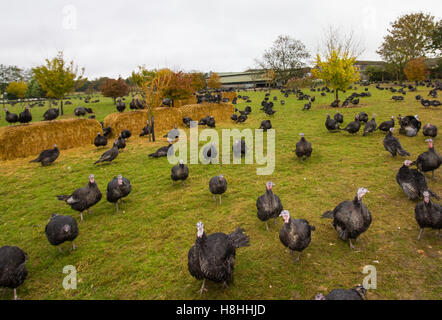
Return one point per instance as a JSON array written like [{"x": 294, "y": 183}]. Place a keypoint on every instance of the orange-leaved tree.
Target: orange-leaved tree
[
  {"x": 416, "y": 70},
  {"x": 214, "y": 81},
  {"x": 114, "y": 88}
]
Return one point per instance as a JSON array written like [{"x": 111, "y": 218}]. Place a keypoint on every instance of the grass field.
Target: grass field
[{"x": 141, "y": 253}]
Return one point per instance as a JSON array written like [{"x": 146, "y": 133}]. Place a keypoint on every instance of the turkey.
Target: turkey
[
  {"x": 429, "y": 130},
  {"x": 339, "y": 117},
  {"x": 46, "y": 157},
  {"x": 428, "y": 215},
  {"x": 331, "y": 124},
  {"x": 117, "y": 189},
  {"x": 107, "y": 132},
  {"x": 213, "y": 257},
  {"x": 204, "y": 121},
  {"x": 412, "y": 182},
  {"x": 147, "y": 130},
  {"x": 217, "y": 185},
  {"x": 335, "y": 104},
  {"x": 239, "y": 148},
  {"x": 80, "y": 111},
  {"x": 100, "y": 141},
  {"x": 51, "y": 114},
  {"x": 12, "y": 268},
  {"x": 351, "y": 218},
  {"x": 357, "y": 293},
  {"x": 386, "y": 125},
  {"x": 211, "y": 122},
  {"x": 370, "y": 126},
  {"x": 353, "y": 127},
  {"x": 110, "y": 155},
  {"x": 410, "y": 126},
  {"x": 303, "y": 148},
  {"x": 120, "y": 142},
  {"x": 266, "y": 125},
  {"x": 61, "y": 229},
  {"x": 392, "y": 145},
  {"x": 83, "y": 198},
  {"x": 210, "y": 153},
  {"x": 307, "y": 106},
  {"x": 363, "y": 117},
  {"x": 269, "y": 205},
  {"x": 429, "y": 160},
  {"x": 163, "y": 151},
  {"x": 234, "y": 117},
  {"x": 355, "y": 101},
  {"x": 187, "y": 121},
  {"x": 179, "y": 172},
  {"x": 121, "y": 105},
  {"x": 295, "y": 234},
  {"x": 126, "y": 134},
  {"x": 25, "y": 116},
  {"x": 10, "y": 117}
]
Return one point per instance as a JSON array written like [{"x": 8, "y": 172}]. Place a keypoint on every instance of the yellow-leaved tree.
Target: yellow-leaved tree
[
  {"x": 17, "y": 89},
  {"x": 337, "y": 70},
  {"x": 214, "y": 81},
  {"x": 416, "y": 70}
]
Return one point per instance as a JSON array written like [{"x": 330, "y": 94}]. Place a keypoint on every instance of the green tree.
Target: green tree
[
  {"x": 9, "y": 74},
  {"x": 17, "y": 89},
  {"x": 408, "y": 38},
  {"x": 58, "y": 78},
  {"x": 34, "y": 89},
  {"x": 435, "y": 45},
  {"x": 286, "y": 58},
  {"x": 337, "y": 71}
]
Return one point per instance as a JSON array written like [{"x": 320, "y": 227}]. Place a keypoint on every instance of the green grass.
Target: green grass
[{"x": 142, "y": 253}]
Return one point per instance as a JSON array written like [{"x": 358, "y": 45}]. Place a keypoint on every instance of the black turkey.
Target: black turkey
[
  {"x": 10, "y": 117},
  {"x": 51, "y": 114},
  {"x": 204, "y": 121},
  {"x": 239, "y": 148},
  {"x": 211, "y": 122},
  {"x": 363, "y": 117},
  {"x": 120, "y": 142},
  {"x": 307, "y": 106},
  {"x": 187, "y": 121},
  {"x": 355, "y": 101},
  {"x": 428, "y": 215},
  {"x": 357, "y": 293},
  {"x": 25, "y": 116},
  {"x": 126, "y": 134},
  {"x": 213, "y": 257},
  {"x": 110, "y": 155},
  {"x": 117, "y": 189},
  {"x": 61, "y": 229},
  {"x": 163, "y": 151},
  {"x": 392, "y": 145},
  {"x": 234, "y": 117},
  {"x": 269, "y": 205},
  {"x": 121, "y": 105},
  {"x": 266, "y": 125},
  {"x": 303, "y": 148},
  {"x": 370, "y": 126},
  {"x": 46, "y": 157},
  {"x": 410, "y": 126},
  {"x": 80, "y": 111},
  {"x": 210, "y": 153},
  {"x": 386, "y": 125},
  {"x": 353, "y": 127},
  {"x": 351, "y": 218},
  {"x": 100, "y": 141},
  {"x": 179, "y": 172},
  {"x": 107, "y": 132},
  {"x": 217, "y": 185},
  {"x": 429, "y": 160},
  {"x": 429, "y": 130},
  {"x": 295, "y": 234},
  {"x": 412, "y": 182},
  {"x": 339, "y": 117},
  {"x": 83, "y": 198},
  {"x": 147, "y": 130},
  {"x": 335, "y": 104},
  {"x": 12, "y": 268},
  {"x": 331, "y": 124}
]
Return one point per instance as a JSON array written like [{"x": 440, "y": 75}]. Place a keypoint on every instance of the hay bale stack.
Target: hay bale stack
[
  {"x": 25, "y": 140},
  {"x": 184, "y": 102},
  {"x": 166, "y": 118},
  {"x": 230, "y": 95},
  {"x": 133, "y": 121}
]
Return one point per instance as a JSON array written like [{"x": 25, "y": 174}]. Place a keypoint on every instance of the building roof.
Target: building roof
[{"x": 242, "y": 77}]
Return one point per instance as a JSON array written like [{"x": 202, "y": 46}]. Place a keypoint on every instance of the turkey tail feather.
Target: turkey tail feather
[
  {"x": 239, "y": 239},
  {"x": 62, "y": 198},
  {"x": 328, "y": 215}
]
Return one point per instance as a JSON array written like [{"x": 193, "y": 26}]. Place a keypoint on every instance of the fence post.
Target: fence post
[{"x": 153, "y": 130}]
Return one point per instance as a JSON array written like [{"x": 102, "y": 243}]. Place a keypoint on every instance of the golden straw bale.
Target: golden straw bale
[
  {"x": 21, "y": 141},
  {"x": 133, "y": 121},
  {"x": 230, "y": 95}
]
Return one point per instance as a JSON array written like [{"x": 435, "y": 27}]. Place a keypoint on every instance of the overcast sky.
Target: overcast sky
[{"x": 111, "y": 38}]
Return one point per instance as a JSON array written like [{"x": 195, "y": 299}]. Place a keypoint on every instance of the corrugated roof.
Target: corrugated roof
[{"x": 241, "y": 77}]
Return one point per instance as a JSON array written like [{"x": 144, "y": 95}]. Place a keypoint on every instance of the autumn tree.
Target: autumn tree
[
  {"x": 10, "y": 74},
  {"x": 416, "y": 70},
  {"x": 435, "y": 45},
  {"x": 198, "y": 80},
  {"x": 57, "y": 77},
  {"x": 337, "y": 71},
  {"x": 408, "y": 38},
  {"x": 214, "y": 81},
  {"x": 286, "y": 58},
  {"x": 17, "y": 89},
  {"x": 114, "y": 88}
]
